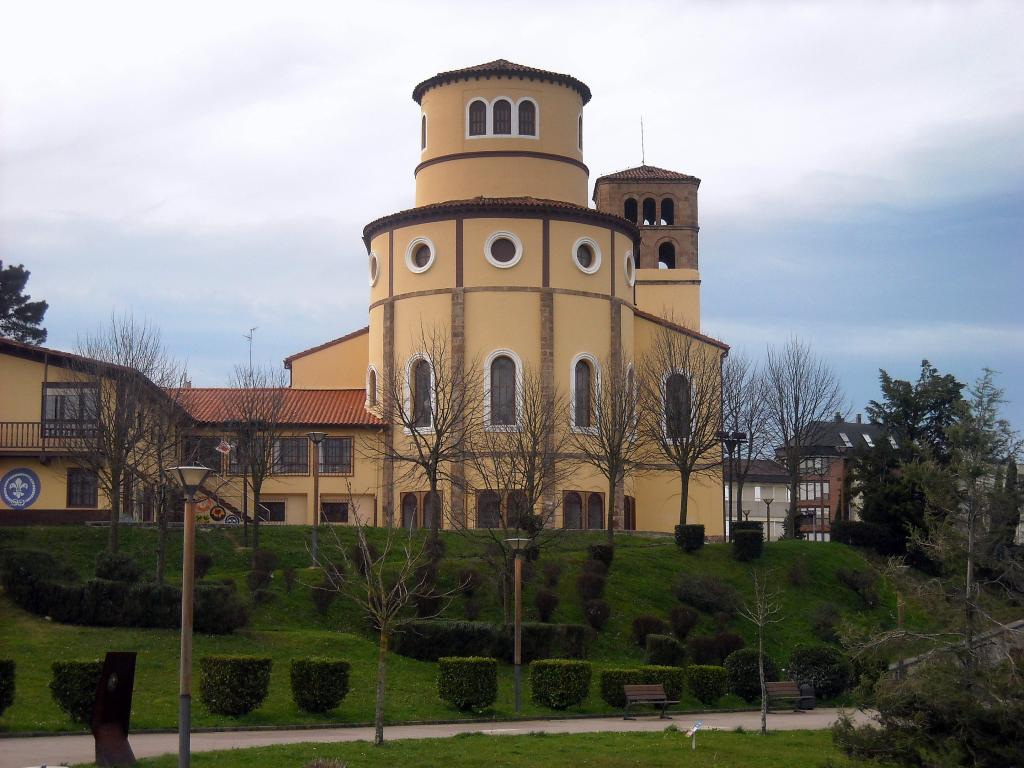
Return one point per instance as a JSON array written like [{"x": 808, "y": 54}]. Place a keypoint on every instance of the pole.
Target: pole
[
  {"x": 188, "y": 562},
  {"x": 768, "y": 521},
  {"x": 316, "y": 499},
  {"x": 518, "y": 651}
]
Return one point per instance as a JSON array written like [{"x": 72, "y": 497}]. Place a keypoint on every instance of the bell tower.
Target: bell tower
[{"x": 664, "y": 205}]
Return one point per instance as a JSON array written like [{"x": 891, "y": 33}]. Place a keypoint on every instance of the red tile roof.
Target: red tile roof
[
  {"x": 647, "y": 173},
  {"x": 497, "y": 68},
  {"x": 325, "y": 345},
  {"x": 681, "y": 329},
  {"x": 313, "y": 407}
]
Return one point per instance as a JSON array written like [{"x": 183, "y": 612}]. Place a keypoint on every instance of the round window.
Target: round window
[
  {"x": 503, "y": 250},
  {"x": 630, "y": 268},
  {"x": 421, "y": 256},
  {"x": 374, "y": 268},
  {"x": 587, "y": 255}
]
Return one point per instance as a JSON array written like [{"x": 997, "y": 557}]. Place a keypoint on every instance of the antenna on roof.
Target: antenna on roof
[
  {"x": 248, "y": 336},
  {"x": 643, "y": 156}
]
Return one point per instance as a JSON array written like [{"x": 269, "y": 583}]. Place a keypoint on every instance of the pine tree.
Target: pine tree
[{"x": 20, "y": 319}]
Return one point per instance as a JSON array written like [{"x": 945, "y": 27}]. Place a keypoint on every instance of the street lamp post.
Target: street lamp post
[
  {"x": 190, "y": 479},
  {"x": 518, "y": 545},
  {"x": 316, "y": 438},
  {"x": 731, "y": 441},
  {"x": 768, "y": 513}
]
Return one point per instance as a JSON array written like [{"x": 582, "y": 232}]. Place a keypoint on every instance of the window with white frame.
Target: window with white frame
[
  {"x": 502, "y": 396},
  {"x": 584, "y": 392}
]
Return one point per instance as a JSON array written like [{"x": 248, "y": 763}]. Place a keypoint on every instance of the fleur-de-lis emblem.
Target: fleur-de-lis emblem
[{"x": 18, "y": 487}]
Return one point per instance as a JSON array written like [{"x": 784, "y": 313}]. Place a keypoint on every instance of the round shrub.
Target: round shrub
[
  {"x": 218, "y": 610},
  {"x": 546, "y": 602},
  {"x": 319, "y": 685},
  {"x": 611, "y": 682},
  {"x": 560, "y": 683},
  {"x": 707, "y": 593},
  {"x": 115, "y": 566},
  {"x": 604, "y": 553},
  {"x": 595, "y": 566},
  {"x": 706, "y": 682},
  {"x": 73, "y": 687},
  {"x": 824, "y": 620},
  {"x": 665, "y": 650},
  {"x": 6, "y": 684},
  {"x": 690, "y": 538},
  {"x": 727, "y": 643},
  {"x": 203, "y": 562},
  {"x": 467, "y": 682},
  {"x": 743, "y": 676},
  {"x": 323, "y": 596},
  {"x": 597, "y": 613},
  {"x": 822, "y": 666},
  {"x": 648, "y": 625},
  {"x": 747, "y": 545},
  {"x": 264, "y": 560},
  {"x": 702, "y": 649},
  {"x": 683, "y": 618},
  {"x": 233, "y": 685},
  {"x": 590, "y": 586}
]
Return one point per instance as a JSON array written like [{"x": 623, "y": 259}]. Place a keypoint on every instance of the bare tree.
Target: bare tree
[
  {"x": 762, "y": 612},
  {"x": 517, "y": 474},
  {"x": 800, "y": 390},
  {"x": 681, "y": 406},
  {"x": 744, "y": 409},
  {"x": 256, "y": 414},
  {"x": 612, "y": 444},
  {"x": 113, "y": 414},
  {"x": 436, "y": 400}
]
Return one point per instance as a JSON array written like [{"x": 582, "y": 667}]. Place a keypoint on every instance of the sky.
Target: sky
[{"x": 209, "y": 166}]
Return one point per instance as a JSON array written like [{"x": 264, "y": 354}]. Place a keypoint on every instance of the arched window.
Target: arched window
[
  {"x": 502, "y": 116},
  {"x": 650, "y": 212},
  {"x": 488, "y": 510},
  {"x": 423, "y": 132},
  {"x": 595, "y": 512},
  {"x": 583, "y": 394},
  {"x": 527, "y": 118},
  {"x": 579, "y": 132},
  {"x": 503, "y": 391},
  {"x": 677, "y": 406},
  {"x": 572, "y": 510},
  {"x": 666, "y": 256},
  {"x": 668, "y": 211},
  {"x": 629, "y": 209},
  {"x": 410, "y": 511},
  {"x": 371, "y": 388},
  {"x": 420, "y": 393},
  {"x": 431, "y": 509},
  {"x": 477, "y": 118}
]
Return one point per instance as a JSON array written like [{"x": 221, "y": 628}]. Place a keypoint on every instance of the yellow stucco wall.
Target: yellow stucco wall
[
  {"x": 338, "y": 366},
  {"x": 670, "y": 293}
]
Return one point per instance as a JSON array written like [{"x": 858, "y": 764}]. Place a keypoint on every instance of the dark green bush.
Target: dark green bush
[
  {"x": 743, "y": 675},
  {"x": 597, "y": 613},
  {"x": 6, "y": 684},
  {"x": 707, "y": 683},
  {"x": 552, "y": 574},
  {"x": 233, "y": 685},
  {"x": 690, "y": 538},
  {"x": 470, "y": 581},
  {"x": 595, "y": 566},
  {"x": 319, "y": 685},
  {"x": 116, "y": 566},
  {"x": 824, "y": 667},
  {"x": 858, "y": 533},
  {"x": 546, "y": 602},
  {"x": 289, "y": 578},
  {"x": 429, "y": 640},
  {"x": 862, "y": 581},
  {"x": 707, "y": 593},
  {"x": 683, "y": 618},
  {"x": 645, "y": 625},
  {"x": 590, "y": 586},
  {"x": 73, "y": 687},
  {"x": 323, "y": 596},
  {"x": 702, "y": 649},
  {"x": 747, "y": 545},
  {"x": 825, "y": 619},
  {"x": 665, "y": 650},
  {"x": 218, "y": 610},
  {"x": 605, "y": 553},
  {"x": 264, "y": 560},
  {"x": 560, "y": 683},
  {"x": 611, "y": 681},
  {"x": 467, "y": 682},
  {"x": 428, "y": 603},
  {"x": 747, "y": 525},
  {"x": 263, "y": 596},
  {"x": 363, "y": 558},
  {"x": 258, "y": 580},
  {"x": 203, "y": 563},
  {"x": 799, "y": 573}
]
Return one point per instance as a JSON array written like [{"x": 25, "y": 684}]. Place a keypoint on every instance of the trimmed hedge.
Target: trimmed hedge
[
  {"x": 690, "y": 538},
  {"x": 743, "y": 676},
  {"x": 747, "y": 525},
  {"x": 233, "y": 685},
  {"x": 665, "y": 650},
  {"x": 707, "y": 593},
  {"x": 429, "y": 640},
  {"x": 747, "y": 545},
  {"x": 467, "y": 682},
  {"x": 706, "y": 682},
  {"x": 602, "y": 552},
  {"x": 647, "y": 624},
  {"x": 713, "y": 649},
  {"x": 6, "y": 684},
  {"x": 611, "y": 681},
  {"x": 824, "y": 667},
  {"x": 683, "y": 619},
  {"x": 546, "y": 602},
  {"x": 590, "y": 586},
  {"x": 73, "y": 687},
  {"x": 319, "y": 685},
  {"x": 560, "y": 683},
  {"x": 115, "y": 566},
  {"x": 597, "y": 613}
]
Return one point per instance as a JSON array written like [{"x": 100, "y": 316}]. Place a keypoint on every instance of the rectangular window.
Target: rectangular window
[
  {"x": 846, "y": 439},
  {"x": 291, "y": 456},
  {"x": 334, "y": 511},
  {"x": 868, "y": 440},
  {"x": 82, "y": 488},
  {"x": 757, "y": 493},
  {"x": 270, "y": 511},
  {"x": 336, "y": 456},
  {"x": 70, "y": 410},
  {"x": 202, "y": 450}
]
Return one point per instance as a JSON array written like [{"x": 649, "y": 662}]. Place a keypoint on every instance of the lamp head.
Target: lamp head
[
  {"x": 317, "y": 437},
  {"x": 517, "y": 545},
  {"x": 189, "y": 478}
]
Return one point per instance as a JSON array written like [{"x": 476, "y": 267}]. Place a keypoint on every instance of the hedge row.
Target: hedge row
[
  {"x": 429, "y": 640},
  {"x": 467, "y": 682},
  {"x": 612, "y": 680},
  {"x": 560, "y": 683},
  {"x": 233, "y": 685},
  {"x": 6, "y": 684}
]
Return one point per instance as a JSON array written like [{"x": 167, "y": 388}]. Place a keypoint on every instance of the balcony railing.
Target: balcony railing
[{"x": 46, "y": 436}]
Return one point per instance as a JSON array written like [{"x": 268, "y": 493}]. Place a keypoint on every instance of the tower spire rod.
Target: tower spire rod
[{"x": 643, "y": 155}]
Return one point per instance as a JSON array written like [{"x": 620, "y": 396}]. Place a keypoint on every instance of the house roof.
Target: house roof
[
  {"x": 833, "y": 438},
  {"x": 325, "y": 345},
  {"x": 761, "y": 470},
  {"x": 313, "y": 407},
  {"x": 500, "y": 68},
  {"x": 681, "y": 329},
  {"x": 647, "y": 173}
]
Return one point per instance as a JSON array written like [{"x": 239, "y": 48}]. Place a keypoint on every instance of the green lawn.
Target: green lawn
[
  {"x": 641, "y": 581},
  {"x": 595, "y": 750}
]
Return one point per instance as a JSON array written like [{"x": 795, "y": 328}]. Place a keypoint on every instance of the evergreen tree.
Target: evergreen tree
[{"x": 20, "y": 319}]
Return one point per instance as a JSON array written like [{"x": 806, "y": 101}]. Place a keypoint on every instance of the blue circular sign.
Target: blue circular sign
[{"x": 20, "y": 488}]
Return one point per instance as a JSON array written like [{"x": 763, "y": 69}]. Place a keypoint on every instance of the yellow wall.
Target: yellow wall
[
  {"x": 338, "y": 366},
  {"x": 676, "y": 301}
]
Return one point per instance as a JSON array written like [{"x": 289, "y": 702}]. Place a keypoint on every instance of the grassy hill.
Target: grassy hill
[{"x": 641, "y": 581}]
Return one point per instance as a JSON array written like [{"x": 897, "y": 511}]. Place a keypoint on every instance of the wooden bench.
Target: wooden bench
[
  {"x": 653, "y": 695},
  {"x": 785, "y": 690}
]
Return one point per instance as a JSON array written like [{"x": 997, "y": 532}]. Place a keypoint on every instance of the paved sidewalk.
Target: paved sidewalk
[{"x": 67, "y": 750}]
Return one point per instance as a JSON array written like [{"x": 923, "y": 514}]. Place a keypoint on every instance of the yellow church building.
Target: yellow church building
[{"x": 504, "y": 253}]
